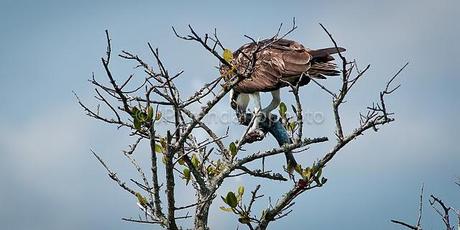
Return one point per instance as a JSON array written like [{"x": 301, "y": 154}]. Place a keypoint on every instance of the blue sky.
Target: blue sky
[{"x": 49, "y": 48}]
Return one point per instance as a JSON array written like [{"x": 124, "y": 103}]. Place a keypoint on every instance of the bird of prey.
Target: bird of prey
[{"x": 278, "y": 63}]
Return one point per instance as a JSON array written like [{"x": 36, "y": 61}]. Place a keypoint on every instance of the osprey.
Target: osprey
[{"x": 278, "y": 63}]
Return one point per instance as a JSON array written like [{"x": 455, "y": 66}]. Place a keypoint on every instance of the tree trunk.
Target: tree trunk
[{"x": 202, "y": 213}]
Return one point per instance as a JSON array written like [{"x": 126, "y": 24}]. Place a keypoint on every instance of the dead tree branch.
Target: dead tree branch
[{"x": 208, "y": 161}]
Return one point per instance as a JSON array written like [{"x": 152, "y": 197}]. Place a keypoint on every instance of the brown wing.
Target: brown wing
[{"x": 279, "y": 61}]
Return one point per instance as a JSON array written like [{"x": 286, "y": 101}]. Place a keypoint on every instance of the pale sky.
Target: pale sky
[{"x": 49, "y": 48}]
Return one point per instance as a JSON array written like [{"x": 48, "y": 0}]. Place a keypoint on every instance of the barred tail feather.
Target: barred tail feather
[
  {"x": 325, "y": 52},
  {"x": 321, "y": 63},
  {"x": 322, "y": 69}
]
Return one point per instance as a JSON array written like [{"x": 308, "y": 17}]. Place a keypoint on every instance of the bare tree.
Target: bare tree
[
  {"x": 206, "y": 164},
  {"x": 441, "y": 208}
]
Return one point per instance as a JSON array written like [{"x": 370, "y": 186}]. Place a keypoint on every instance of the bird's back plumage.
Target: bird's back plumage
[{"x": 278, "y": 62}]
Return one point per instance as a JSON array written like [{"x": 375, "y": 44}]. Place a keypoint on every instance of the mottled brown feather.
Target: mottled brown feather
[{"x": 280, "y": 61}]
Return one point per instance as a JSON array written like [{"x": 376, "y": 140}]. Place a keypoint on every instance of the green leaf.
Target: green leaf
[
  {"x": 163, "y": 142},
  {"x": 137, "y": 123},
  {"x": 306, "y": 174},
  {"x": 149, "y": 113},
  {"x": 159, "y": 148},
  {"x": 134, "y": 112},
  {"x": 298, "y": 169},
  {"x": 228, "y": 55},
  {"x": 137, "y": 116},
  {"x": 141, "y": 199},
  {"x": 225, "y": 209},
  {"x": 282, "y": 109},
  {"x": 211, "y": 170},
  {"x": 231, "y": 200},
  {"x": 241, "y": 190},
  {"x": 186, "y": 175},
  {"x": 233, "y": 149},
  {"x": 142, "y": 116},
  {"x": 292, "y": 126},
  {"x": 314, "y": 167},
  {"x": 195, "y": 161},
  {"x": 320, "y": 171}
]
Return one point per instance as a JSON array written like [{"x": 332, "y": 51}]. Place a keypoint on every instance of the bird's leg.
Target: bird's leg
[
  {"x": 242, "y": 102},
  {"x": 256, "y": 98},
  {"x": 273, "y": 104}
]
